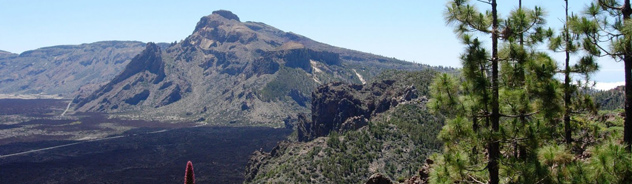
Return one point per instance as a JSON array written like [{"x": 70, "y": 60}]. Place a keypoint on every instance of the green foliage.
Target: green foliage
[
  {"x": 610, "y": 99},
  {"x": 603, "y": 24},
  {"x": 388, "y": 140},
  {"x": 575, "y": 98},
  {"x": 286, "y": 80},
  {"x": 445, "y": 91},
  {"x": 610, "y": 163},
  {"x": 333, "y": 140},
  {"x": 530, "y": 102},
  {"x": 606, "y": 29},
  {"x": 595, "y": 157},
  {"x": 408, "y": 117},
  {"x": 516, "y": 78}
]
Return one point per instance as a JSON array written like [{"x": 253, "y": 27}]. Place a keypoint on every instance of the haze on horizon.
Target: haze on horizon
[{"x": 409, "y": 30}]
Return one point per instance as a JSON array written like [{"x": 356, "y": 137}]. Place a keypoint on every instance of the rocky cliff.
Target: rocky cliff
[
  {"x": 232, "y": 72},
  {"x": 397, "y": 136},
  {"x": 66, "y": 70},
  {"x": 341, "y": 107}
]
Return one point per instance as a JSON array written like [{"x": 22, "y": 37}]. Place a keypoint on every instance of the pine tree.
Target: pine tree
[
  {"x": 189, "y": 176},
  {"x": 570, "y": 43},
  {"x": 608, "y": 30},
  {"x": 504, "y": 102}
]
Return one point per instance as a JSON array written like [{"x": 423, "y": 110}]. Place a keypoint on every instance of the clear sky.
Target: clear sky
[{"x": 412, "y": 30}]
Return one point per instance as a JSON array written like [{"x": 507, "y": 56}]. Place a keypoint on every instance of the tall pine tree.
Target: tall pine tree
[
  {"x": 608, "y": 30},
  {"x": 505, "y": 100},
  {"x": 574, "y": 100}
]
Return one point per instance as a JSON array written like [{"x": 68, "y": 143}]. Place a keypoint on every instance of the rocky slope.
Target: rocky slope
[
  {"x": 7, "y": 55},
  {"x": 63, "y": 70},
  {"x": 341, "y": 107},
  {"x": 398, "y": 136},
  {"x": 232, "y": 72}
]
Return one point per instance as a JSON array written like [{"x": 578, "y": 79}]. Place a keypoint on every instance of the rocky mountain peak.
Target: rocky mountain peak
[
  {"x": 151, "y": 47},
  {"x": 222, "y": 27},
  {"x": 216, "y": 19},
  {"x": 149, "y": 59},
  {"x": 226, "y": 14}
]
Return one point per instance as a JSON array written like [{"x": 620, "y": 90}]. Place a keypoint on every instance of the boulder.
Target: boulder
[{"x": 378, "y": 178}]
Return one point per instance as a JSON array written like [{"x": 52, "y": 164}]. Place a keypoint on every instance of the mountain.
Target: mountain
[
  {"x": 62, "y": 70},
  {"x": 232, "y": 72}
]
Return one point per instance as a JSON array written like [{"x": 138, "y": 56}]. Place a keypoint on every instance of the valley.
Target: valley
[{"x": 39, "y": 146}]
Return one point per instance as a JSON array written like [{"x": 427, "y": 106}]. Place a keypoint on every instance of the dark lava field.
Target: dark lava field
[{"x": 143, "y": 152}]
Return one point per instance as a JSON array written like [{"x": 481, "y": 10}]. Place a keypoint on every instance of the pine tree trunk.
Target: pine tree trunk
[
  {"x": 627, "y": 60},
  {"x": 627, "y": 131},
  {"x": 494, "y": 145},
  {"x": 567, "y": 84},
  {"x": 567, "y": 101},
  {"x": 521, "y": 33}
]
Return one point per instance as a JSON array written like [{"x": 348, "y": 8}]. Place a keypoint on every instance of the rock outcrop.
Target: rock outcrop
[
  {"x": 378, "y": 178},
  {"x": 150, "y": 60},
  {"x": 341, "y": 107},
  {"x": 423, "y": 175},
  {"x": 259, "y": 158}
]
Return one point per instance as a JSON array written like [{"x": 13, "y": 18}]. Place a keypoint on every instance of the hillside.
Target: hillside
[
  {"x": 7, "y": 55},
  {"x": 232, "y": 72},
  {"x": 398, "y": 135},
  {"x": 63, "y": 70},
  {"x": 610, "y": 99}
]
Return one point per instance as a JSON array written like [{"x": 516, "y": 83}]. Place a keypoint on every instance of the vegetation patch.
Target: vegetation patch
[{"x": 287, "y": 79}]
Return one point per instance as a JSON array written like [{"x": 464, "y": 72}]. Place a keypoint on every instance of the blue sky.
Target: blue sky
[{"x": 412, "y": 30}]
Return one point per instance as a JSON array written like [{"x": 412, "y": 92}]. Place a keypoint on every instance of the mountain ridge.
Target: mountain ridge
[
  {"x": 65, "y": 70},
  {"x": 229, "y": 72}
]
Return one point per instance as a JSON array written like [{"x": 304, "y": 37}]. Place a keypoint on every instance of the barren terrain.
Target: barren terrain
[{"x": 39, "y": 146}]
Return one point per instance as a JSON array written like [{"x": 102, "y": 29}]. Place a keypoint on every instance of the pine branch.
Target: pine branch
[
  {"x": 475, "y": 27},
  {"x": 532, "y": 25},
  {"x": 595, "y": 42},
  {"x": 608, "y": 33},
  {"x": 485, "y": 2},
  {"x": 473, "y": 178},
  {"x": 520, "y": 115},
  {"x": 602, "y": 3}
]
